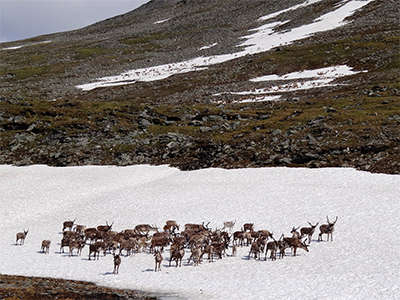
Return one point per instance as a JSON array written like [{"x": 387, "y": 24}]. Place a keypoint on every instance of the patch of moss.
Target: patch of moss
[{"x": 84, "y": 53}]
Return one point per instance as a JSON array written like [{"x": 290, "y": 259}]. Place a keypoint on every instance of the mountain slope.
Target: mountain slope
[{"x": 189, "y": 119}]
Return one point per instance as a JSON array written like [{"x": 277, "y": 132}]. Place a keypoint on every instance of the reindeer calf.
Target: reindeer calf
[
  {"x": 117, "y": 262},
  {"x": 45, "y": 246},
  {"x": 158, "y": 259}
]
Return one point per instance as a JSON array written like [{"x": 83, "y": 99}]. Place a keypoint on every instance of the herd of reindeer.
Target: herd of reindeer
[{"x": 199, "y": 238}]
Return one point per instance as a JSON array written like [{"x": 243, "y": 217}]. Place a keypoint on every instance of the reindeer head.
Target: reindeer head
[
  {"x": 294, "y": 229},
  {"x": 313, "y": 226},
  {"x": 331, "y": 224},
  {"x": 26, "y": 232},
  {"x": 304, "y": 246},
  {"x": 109, "y": 226}
]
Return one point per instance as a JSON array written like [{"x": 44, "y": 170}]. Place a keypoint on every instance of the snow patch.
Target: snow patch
[
  {"x": 162, "y": 21},
  {"x": 321, "y": 77},
  {"x": 328, "y": 73},
  {"x": 25, "y": 45},
  {"x": 208, "y": 46}
]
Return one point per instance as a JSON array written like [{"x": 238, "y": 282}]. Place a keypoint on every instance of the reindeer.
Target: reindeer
[
  {"x": 177, "y": 255},
  {"x": 21, "y": 237},
  {"x": 248, "y": 236},
  {"x": 95, "y": 248},
  {"x": 234, "y": 250},
  {"x": 171, "y": 226},
  {"x": 145, "y": 228},
  {"x": 162, "y": 241},
  {"x": 327, "y": 229},
  {"x": 255, "y": 249},
  {"x": 105, "y": 228},
  {"x": 197, "y": 227},
  {"x": 79, "y": 228},
  {"x": 248, "y": 226},
  {"x": 76, "y": 244},
  {"x": 294, "y": 232},
  {"x": 238, "y": 235},
  {"x": 229, "y": 225},
  {"x": 264, "y": 234},
  {"x": 272, "y": 247},
  {"x": 45, "y": 246},
  {"x": 117, "y": 262},
  {"x": 91, "y": 234},
  {"x": 68, "y": 224},
  {"x": 64, "y": 243},
  {"x": 158, "y": 259},
  {"x": 294, "y": 243},
  {"x": 195, "y": 255},
  {"x": 309, "y": 231}
]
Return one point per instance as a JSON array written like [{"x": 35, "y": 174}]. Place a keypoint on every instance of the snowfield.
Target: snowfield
[
  {"x": 261, "y": 39},
  {"x": 25, "y": 45},
  {"x": 361, "y": 263}
]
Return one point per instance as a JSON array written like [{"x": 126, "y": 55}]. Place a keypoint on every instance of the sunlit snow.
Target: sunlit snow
[{"x": 362, "y": 262}]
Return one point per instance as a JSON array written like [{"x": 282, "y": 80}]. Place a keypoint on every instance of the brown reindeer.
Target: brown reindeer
[
  {"x": 64, "y": 243},
  {"x": 45, "y": 246},
  {"x": 294, "y": 243},
  {"x": 79, "y": 228},
  {"x": 272, "y": 247},
  {"x": 21, "y": 237},
  {"x": 255, "y": 249},
  {"x": 309, "y": 231},
  {"x": 105, "y": 228},
  {"x": 68, "y": 224},
  {"x": 91, "y": 234},
  {"x": 195, "y": 255},
  {"x": 117, "y": 263},
  {"x": 248, "y": 226},
  {"x": 171, "y": 226},
  {"x": 76, "y": 244},
  {"x": 327, "y": 229},
  {"x": 158, "y": 259},
  {"x": 162, "y": 241},
  {"x": 95, "y": 249},
  {"x": 197, "y": 227},
  {"x": 238, "y": 236},
  {"x": 177, "y": 255}
]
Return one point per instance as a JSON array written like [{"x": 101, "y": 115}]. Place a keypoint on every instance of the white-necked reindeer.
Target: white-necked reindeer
[
  {"x": 21, "y": 237},
  {"x": 229, "y": 225}
]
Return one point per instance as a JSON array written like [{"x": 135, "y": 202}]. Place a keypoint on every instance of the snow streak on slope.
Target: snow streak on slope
[
  {"x": 305, "y": 80},
  {"x": 361, "y": 263},
  {"x": 25, "y": 45},
  {"x": 263, "y": 39},
  {"x": 328, "y": 73}
]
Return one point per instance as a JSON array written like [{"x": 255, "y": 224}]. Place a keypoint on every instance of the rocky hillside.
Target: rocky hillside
[{"x": 194, "y": 120}]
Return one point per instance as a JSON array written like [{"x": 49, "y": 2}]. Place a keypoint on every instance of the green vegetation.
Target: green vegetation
[{"x": 85, "y": 53}]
